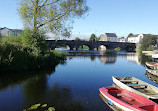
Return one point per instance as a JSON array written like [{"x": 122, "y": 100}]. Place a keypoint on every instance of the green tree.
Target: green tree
[
  {"x": 93, "y": 38},
  {"x": 122, "y": 38},
  {"x": 129, "y": 35},
  {"x": 98, "y": 38},
  {"x": 55, "y": 15},
  {"x": 147, "y": 42},
  {"x": 155, "y": 39},
  {"x": 77, "y": 39}
]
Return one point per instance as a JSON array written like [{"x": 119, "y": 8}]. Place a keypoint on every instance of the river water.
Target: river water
[{"x": 72, "y": 86}]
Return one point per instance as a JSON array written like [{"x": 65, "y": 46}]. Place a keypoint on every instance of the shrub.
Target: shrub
[
  {"x": 27, "y": 51},
  {"x": 150, "y": 48}
]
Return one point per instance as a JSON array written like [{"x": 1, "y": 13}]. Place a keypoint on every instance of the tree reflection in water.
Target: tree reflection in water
[
  {"x": 92, "y": 57},
  {"x": 143, "y": 58},
  {"x": 12, "y": 79},
  {"x": 9, "y": 79},
  {"x": 36, "y": 91},
  {"x": 61, "y": 98}
]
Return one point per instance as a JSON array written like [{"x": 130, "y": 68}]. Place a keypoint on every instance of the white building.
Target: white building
[
  {"x": 122, "y": 39},
  {"x": 108, "y": 37},
  {"x": 135, "y": 38},
  {"x": 9, "y": 32}
]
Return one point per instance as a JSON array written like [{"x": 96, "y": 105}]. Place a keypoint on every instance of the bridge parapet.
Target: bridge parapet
[{"x": 92, "y": 44}]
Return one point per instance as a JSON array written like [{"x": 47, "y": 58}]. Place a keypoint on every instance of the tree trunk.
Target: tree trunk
[{"x": 35, "y": 15}]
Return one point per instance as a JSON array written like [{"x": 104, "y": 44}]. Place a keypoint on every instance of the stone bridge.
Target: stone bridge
[{"x": 74, "y": 45}]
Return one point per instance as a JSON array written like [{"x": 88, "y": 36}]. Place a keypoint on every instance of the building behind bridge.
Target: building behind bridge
[
  {"x": 122, "y": 39},
  {"x": 135, "y": 38},
  {"x": 9, "y": 32},
  {"x": 112, "y": 37}
]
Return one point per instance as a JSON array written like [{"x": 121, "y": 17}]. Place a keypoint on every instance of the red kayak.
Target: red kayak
[{"x": 122, "y": 99}]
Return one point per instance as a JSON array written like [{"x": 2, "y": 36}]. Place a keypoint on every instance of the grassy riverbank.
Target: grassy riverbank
[{"x": 27, "y": 52}]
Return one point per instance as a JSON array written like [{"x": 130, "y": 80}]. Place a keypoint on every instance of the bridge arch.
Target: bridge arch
[
  {"x": 62, "y": 46},
  {"x": 129, "y": 48},
  {"x": 109, "y": 46},
  {"x": 102, "y": 47},
  {"x": 84, "y": 47},
  {"x": 88, "y": 46}
]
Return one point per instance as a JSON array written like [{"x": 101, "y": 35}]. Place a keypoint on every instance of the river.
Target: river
[{"x": 72, "y": 86}]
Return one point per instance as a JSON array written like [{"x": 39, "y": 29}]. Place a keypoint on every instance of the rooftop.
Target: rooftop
[
  {"x": 10, "y": 29},
  {"x": 111, "y": 34}
]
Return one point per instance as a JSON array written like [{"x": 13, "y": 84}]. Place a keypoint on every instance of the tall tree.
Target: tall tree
[
  {"x": 148, "y": 41},
  {"x": 55, "y": 15},
  {"x": 93, "y": 37},
  {"x": 129, "y": 35},
  {"x": 77, "y": 39}
]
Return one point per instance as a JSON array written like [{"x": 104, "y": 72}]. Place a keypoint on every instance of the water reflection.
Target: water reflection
[
  {"x": 144, "y": 58},
  {"x": 111, "y": 56},
  {"x": 134, "y": 57},
  {"x": 61, "y": 98},
  {"x": 108, "y": 59},
  {"x": 138, "y": 58},
  {"x": 34, "y": 90},
  {"x": 72, "y": 87},
  {"x": 92, "y": 57},
  {"x": 13, "y": 79}
]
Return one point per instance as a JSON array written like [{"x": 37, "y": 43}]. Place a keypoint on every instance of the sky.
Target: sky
[{"x": 105, "y": 16}]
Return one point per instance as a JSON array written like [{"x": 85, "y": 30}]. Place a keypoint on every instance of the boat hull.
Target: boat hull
[
  {"x": 116, "y": 106},
  {"x": 154, "y": 72},
  {"x": 122, "y": 85},
  {"x": 152, "y": 77},
  {"x": 151, "y": 68},
  {"x": 120, "y": 99}
]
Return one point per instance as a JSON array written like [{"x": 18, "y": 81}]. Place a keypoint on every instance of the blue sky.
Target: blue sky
[{"x": 117, "y": 16}]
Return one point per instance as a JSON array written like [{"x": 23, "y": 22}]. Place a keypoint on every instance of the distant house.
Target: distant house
[
  {"x": 9, "y": 32},
  {"x": 122, "y": 39},
  {"x": 108, "y": 37},
  {"x": 135, "y": 38}
]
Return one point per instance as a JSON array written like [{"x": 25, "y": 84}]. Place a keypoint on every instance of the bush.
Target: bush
[
  {"x": 150, "y": 48},
  {"x": 34, "y": 41},
  {"x": 13, "y": 59},
  {"x": 148, "y": 41},
  {"x": 27, "y": 51}
]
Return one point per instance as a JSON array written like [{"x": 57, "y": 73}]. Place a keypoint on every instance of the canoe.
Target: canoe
[
  {"x": 152, "y": 77},
  {"x": 152, "y": 67},
  {"x": 155, "y": 55},
  {"x": 137, "y": 86},
  {"x": 121, "y": 99}
]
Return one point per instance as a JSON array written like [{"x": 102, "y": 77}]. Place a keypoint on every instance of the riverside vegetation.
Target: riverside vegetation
[
  {"x": 27, "y": 51},
  {"x": 148, "y": 42}
]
